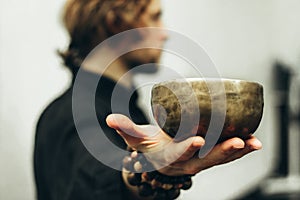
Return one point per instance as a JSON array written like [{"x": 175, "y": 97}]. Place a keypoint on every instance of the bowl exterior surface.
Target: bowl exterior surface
[{"x": 185, "y": 107}]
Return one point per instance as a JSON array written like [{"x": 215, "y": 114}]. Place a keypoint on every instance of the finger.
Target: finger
[
  {"x": 252, "y": 144},
  {"x": 187, "y": 148},
  {"x": 128, "y": 128},
  {"x": 139, "y": 137},
  {"x": 124, "y": 124},
  {"x": 120, "y": 123},
  {"x": 225, "y": 149},
  {"x": 215, "y": 157},
  {"x": 125, "y": 128},
  {"x": 180, "y": 153}
]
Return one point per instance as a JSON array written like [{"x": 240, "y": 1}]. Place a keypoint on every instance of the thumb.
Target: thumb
[
  {"x": 127, "y": 129},
  {"x": 120, "y": 122},
  {"x": 187, "y": 148}
]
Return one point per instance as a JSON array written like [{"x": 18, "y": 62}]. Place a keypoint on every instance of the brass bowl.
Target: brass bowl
[{"x": 194, "y": 106}]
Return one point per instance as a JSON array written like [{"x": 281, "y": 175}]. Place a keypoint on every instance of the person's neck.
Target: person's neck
[{"x": 117, "y": 70}]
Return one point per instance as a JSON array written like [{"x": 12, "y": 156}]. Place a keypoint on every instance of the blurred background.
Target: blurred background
[{"x": 246, "y": 39}]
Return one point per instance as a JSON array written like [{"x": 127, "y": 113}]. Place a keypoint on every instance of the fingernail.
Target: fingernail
[
  {"x": 198, "y": 141},
  {"x": 238, "y": 146},
  {"x": 256, "y": 145}
]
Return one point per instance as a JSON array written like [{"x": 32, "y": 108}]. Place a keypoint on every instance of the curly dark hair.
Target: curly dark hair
[{"x": 89, "y": 22}]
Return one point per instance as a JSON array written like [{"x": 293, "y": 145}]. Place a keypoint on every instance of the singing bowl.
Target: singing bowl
[{"x": 193, "y": 106}]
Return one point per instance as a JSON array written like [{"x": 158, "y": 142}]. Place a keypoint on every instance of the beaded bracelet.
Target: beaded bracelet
[{"x": 153, "y": 183}]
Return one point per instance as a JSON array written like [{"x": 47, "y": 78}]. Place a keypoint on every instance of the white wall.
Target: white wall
[
  {"x": 243, "y": 37},
  {"x": 30, "y": 77}
]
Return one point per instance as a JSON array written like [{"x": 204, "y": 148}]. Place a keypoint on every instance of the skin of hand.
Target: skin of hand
[{"x": 178, "y": 158}]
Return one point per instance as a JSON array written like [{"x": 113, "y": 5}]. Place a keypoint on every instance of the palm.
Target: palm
[{"x": 177, "y": 158}]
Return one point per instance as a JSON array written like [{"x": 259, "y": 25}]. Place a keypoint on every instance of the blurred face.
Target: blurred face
[{"x": 156, "y": 37}]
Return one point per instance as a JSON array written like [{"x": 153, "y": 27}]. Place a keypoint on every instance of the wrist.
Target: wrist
[
  {"x": 132, "y": 191},
  {"x": 153, "y": 184}
]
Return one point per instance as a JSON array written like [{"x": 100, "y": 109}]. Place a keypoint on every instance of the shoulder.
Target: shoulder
[{"x": 60, "y": 108}]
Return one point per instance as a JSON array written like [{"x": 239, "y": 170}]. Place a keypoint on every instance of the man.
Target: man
[{"x": 64, "y": 168}]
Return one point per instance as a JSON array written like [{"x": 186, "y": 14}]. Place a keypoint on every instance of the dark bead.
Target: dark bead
[
  {"x": 158, "y": 178},
  {"x": 134, "y": 155},
  {"x": 128, "y": 163},
  {"x": 164, "y": 179},
  {"x": 188, "y": 178},
  {"x": 145, "y": 166},
  {"x": 134, "y": 179},
  {"x": 155, "y": 183},
  {"x": 172, "y": 181},
  {"x": 141, "y": 157},
  {"x": 150, "y": 175},
  {"x": 173, "y": 193},
  {"x": 178, "y": 185},
  {"x": 160, "y": 194},
  {"x": 145, "y": 190},
  {"x": 129, "y": 149},
  {"x": 187, "y": 185},
  {"x": 181, "y": 179},
  {"x": 146, "y": 177},
  {"x": 138, "y": 175},
  {"x": 166, "y": 186}
]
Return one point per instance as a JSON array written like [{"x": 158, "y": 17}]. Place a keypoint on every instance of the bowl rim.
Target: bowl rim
[{"x": 190, "y": 80}]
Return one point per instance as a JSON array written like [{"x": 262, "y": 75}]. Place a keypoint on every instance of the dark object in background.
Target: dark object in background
[
  {"x": 282, "y": 184},
  {"x": 282, "y": 81}
]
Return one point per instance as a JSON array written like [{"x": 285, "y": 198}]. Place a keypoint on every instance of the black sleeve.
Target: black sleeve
[
  {"x": 92, "y": 179},
  {"x": 65, "y": 169}
]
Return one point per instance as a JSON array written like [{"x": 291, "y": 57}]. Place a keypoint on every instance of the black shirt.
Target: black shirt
[{"x": 64, "y": 168}]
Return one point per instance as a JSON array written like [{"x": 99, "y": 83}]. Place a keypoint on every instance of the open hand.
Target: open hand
[{"x": 178, "y": 158}]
